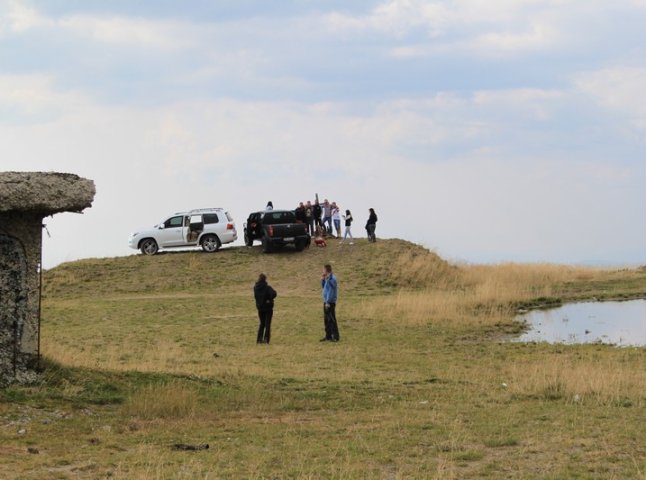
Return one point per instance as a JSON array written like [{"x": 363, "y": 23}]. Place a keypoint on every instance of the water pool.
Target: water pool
[{"x": 617, "y": 323}]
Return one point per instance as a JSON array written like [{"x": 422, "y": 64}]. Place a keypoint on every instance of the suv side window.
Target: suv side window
[
  {"x": 210, "y": 218},
  {"x": 174, "y": 222}
]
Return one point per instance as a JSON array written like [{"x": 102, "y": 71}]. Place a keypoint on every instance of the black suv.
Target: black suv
[{"x": 276, "y": 228}]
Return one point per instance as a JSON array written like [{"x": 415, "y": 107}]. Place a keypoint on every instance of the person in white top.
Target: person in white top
[
  {"x": 336, "y": 218},
  {"x": 348, "y": 225}
]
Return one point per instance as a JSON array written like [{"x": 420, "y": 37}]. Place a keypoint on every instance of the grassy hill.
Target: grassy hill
[
  {"x": 142, "y": 353},
  {"x": 365, "y": 268}
]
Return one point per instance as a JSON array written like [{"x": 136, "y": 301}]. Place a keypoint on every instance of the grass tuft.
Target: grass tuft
[{"x": 169, "y": 400}]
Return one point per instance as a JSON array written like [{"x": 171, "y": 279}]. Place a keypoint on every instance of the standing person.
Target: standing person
[
  {"x": 348, "y": 226},
  {"x": 336, "y": 218},
  {"x": 371, "y": 225},
  {"x": 309, "y": 216},
  {"x": 299, "y": 212},
  {"x": 316, "y": 212},
  {"x": 270, "y": 205},
  {"x": 327, "y": 216},
  {"x": 264, "y": 295},
  {"x": 330, "y": 290}
]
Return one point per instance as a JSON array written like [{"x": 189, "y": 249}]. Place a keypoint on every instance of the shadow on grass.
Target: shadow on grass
[{"x": 80, "y": 387}]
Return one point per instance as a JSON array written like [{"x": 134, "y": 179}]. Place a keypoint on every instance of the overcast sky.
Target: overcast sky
[{"x": 486, "y": 130}]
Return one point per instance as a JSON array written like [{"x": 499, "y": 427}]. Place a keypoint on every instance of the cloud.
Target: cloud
[
  {"x": 537, "y": 37},
  {"x": 538, "y": 103},
  {"x": 33, "y": 98},
  {"x": 396, "y": 18},
  {"x": 19, "y": 18},
  {"x": 429, "y": 28},
  {"x": 620, "y": 89},
  {"x": 123, "y": 31},
  {"x": 111, "y": 30}
]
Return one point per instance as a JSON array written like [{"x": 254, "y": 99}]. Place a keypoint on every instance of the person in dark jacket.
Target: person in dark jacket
[
  {"x": 265, "y": 296},
  {"x": 299, "y": 212},
  {"x": 371, "y": 225},
  {"x": 317, "y": 210}
]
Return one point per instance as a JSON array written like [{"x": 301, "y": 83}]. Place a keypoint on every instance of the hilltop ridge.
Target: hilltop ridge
[{"x": 366, "y": 268}]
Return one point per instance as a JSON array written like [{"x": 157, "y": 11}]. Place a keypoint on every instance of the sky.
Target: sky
[{"x": 486, "y": 130}]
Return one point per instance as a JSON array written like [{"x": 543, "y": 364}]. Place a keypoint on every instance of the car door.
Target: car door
[
  {"x": 172, "y": 233},
  {"x": 254, "y": 226},
  {"x": 195, "y": 228}
]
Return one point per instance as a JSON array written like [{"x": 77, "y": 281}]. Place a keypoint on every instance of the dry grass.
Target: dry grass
[
  {"x": 168, "y": 400},
  {"x": 607, "y": 381},
  {"x": 482, "y": 295}
]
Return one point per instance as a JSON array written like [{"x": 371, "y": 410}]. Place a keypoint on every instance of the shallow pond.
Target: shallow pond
[{"x": 617, "y": 323}]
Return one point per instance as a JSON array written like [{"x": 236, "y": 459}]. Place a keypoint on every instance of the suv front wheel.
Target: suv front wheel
[
  {"x": 148, "y": 246},
  {"x": 211, "y": 243}
]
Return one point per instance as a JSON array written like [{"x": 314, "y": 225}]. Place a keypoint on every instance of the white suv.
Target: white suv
[{"x": 206, "y": 227}]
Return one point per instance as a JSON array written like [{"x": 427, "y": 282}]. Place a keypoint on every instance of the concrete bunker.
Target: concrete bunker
[{"x": 25, "y": 199}]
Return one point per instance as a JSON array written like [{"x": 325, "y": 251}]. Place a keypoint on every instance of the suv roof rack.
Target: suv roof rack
[{"x": 198, "y": 210}]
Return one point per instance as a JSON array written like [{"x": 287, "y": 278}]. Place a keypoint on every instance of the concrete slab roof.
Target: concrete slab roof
[{"x": 45, "y": 192}]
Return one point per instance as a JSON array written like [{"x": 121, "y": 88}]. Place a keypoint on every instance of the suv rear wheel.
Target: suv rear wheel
[
  {"x": 148, "y": 246},
  {"x": 211, "y": 243},
  {"x": 300, "y": 245}
]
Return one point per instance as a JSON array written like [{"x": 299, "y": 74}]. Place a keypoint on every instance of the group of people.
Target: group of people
[
  {"x": 324, "y": 219},
  {"x": 264, "y": 295},
  {"x": 320, "y": 217}
]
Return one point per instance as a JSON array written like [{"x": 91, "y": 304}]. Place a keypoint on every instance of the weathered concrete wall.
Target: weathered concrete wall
[
  {"x": 25, "y": 199},
  {"x": 20, "y": 248}
]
